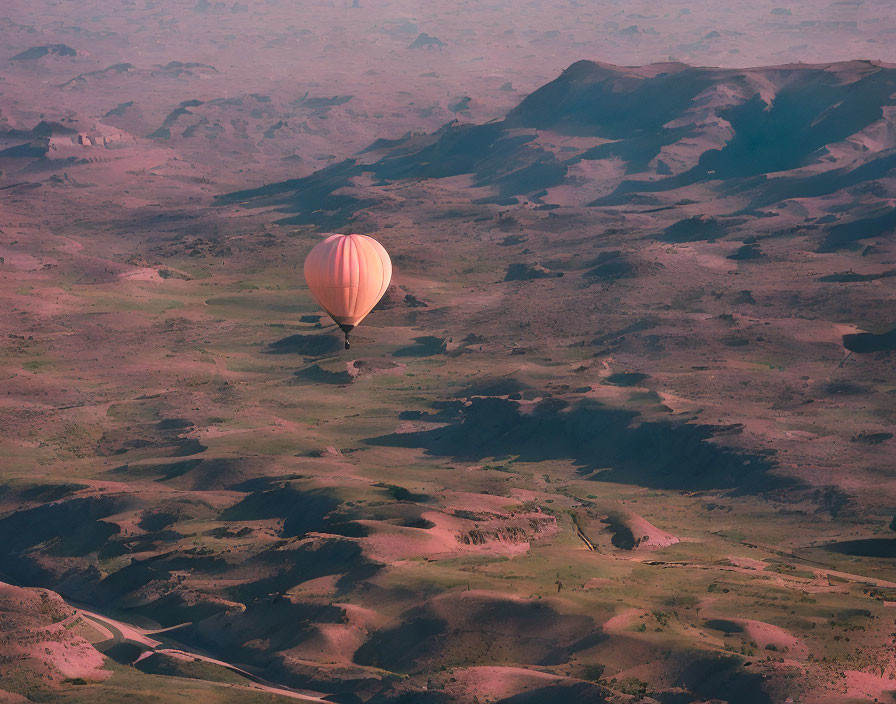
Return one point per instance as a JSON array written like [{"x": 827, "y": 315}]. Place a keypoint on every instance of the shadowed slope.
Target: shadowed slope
[{"x": 594, "y": 437}]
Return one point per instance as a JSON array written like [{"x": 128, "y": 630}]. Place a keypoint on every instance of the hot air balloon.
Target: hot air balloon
[{"x": 348, "y": 275}]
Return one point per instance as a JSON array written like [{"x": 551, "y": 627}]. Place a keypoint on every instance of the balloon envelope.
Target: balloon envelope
[{"x": 348, "y": 275}]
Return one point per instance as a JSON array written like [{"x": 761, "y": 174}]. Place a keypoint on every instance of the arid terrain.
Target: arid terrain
[{"x": 621, "y": 430}]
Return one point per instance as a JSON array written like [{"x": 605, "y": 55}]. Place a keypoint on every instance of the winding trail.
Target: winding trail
[
  {"x": 581, "y": 533},
  {"x": 117, "y": 632}
]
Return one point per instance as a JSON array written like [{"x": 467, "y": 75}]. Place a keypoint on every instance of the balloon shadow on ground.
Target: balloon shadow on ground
[{"x": 314, "y": 345}]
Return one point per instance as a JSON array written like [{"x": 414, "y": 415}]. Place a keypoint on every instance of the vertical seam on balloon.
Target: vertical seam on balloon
[
  {"x": 384, "y": 284},
  {"x": 339, "y": 270},
  {"x": 355, "y": 261},
  {"x": 345, "y": 262},
  {"x": 334, "y": 269},
  {"x": 338, "y": 262},
  {"x": 370, "y": 253},
  {"x": 384, "y": 257},
  {"x": 331, "y": 263}
]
